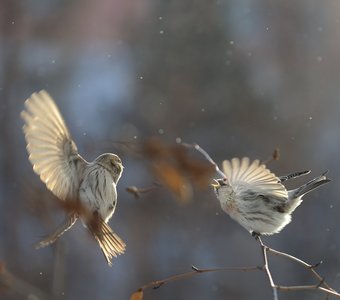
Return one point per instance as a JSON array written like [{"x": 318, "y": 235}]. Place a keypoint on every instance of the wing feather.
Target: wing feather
[
  {"x": 52, "y": 152},
  {"x": 255, "y": 176},
  {"x": 244, "y": 166}
]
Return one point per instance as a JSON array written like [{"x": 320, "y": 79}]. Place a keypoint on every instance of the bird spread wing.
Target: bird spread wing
[
  {"x": 52, "y": 152},
  {"x": 109, "y": 242},
  {"x": 254, "y": 175}
]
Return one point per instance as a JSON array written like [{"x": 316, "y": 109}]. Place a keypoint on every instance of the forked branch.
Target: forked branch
[{"x": 321, "y": 285}]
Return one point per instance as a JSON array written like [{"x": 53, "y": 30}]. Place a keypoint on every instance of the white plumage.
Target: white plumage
[
  {"x": 67, "y": 175},
  {"x": 256, "y": 198}
]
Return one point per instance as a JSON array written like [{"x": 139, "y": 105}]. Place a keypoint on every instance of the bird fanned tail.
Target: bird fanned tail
[{"x": 110, "y": 243}]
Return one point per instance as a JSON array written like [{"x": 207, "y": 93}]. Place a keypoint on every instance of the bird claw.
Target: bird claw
[{"x": 256, "y": 235}]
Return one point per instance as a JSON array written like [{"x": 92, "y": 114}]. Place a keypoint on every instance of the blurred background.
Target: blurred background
[{"x": 239, "y": 77}]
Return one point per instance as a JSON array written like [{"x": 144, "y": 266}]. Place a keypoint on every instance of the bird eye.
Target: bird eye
[
  {"x": 116, "y": 166},
  {"x": 223, "y": 181}
]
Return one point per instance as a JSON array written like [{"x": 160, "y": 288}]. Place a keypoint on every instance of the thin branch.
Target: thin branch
[
  {"x": 307, "y": 287},
  {"x": 304, "y": 264},
  {"x": 196, "y": 271},
  {"x": 138, "y": 191},
  {"x": 297, "y": 287},
  {"x": 266, "y": 269},
  {"x": 206, "y": 155},
  {"x": 320, "y": 286}
]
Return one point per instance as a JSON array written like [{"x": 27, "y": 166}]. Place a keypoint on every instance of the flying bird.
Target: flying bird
[{"x": 76, "y": 182}]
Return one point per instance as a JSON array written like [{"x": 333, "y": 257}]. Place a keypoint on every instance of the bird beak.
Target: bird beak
[{"x": 216, "y": 184}]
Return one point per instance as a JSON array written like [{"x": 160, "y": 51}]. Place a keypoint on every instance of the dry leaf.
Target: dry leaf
[
  {"x": 199, "y": 171},
  {"x": 5, "y": 281},
  {"x": 274, "y": 156},
  {"x": 176, "y": 170},
  {"x": 172, "y": 178},
  {"x": 153, "y": 149},
  {"x": 137, "y": 295}
]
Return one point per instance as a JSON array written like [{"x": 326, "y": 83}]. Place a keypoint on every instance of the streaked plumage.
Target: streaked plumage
[
  {"x": 256, "y": 198},
  {"x": 67, "y": 175}
]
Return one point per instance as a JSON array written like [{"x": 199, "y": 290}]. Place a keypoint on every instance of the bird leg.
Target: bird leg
[
  {"x": 66, "y": 225},
  {"x": 256, "y": 235}
]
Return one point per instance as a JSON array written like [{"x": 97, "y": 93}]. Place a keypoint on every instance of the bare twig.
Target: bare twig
[
  {"x": 206, "y": 155},
  {"x": 321, "y": 285},
  {"x": 196, "y": 271},
  {"x": 309, "y": 267},
  {"x": 308, "y": 287},
  {"x": 266, "y": 269},
  {"x": 138, "y": 191},
  {"x": 158, "y": 283}
]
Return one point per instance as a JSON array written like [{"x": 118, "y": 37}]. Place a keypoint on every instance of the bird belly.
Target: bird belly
[
  {"x": 98, "y": 193},
  {"x": 263, "y": 220}
]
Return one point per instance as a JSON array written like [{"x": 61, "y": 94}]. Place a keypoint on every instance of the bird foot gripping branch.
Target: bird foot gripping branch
[{"x": 255, "y": 197}]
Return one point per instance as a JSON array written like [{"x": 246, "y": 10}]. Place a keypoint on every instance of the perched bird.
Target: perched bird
[
  {"x": 256, "y": 199},
  {"x": 90, "y": 186}
]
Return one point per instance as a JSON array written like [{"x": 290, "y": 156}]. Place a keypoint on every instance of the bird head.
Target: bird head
[
  {"x": 112, "y": 163},
  {"x": 219, "y": 182}
]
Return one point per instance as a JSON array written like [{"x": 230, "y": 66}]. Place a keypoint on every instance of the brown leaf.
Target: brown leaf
[
  {"x": 172, "y": 178},
  {"x": 138, "y": 295},
  {"x": 274, "y": 156},
  {"x": 153, "y": 149},
  {"x": 2, "y": 266},
  {"x": 176, "y": 169},
  {"x": 6, "y": 279},
  {"x": 199, "y": 171}
]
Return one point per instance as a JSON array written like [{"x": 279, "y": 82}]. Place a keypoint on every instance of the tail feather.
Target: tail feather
[
  {"x": 310, "y": 185},
  {"x": 109, "y": 242},
  {"x": 295, "y": 196},
  {"x": 293, "y": 175}
]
